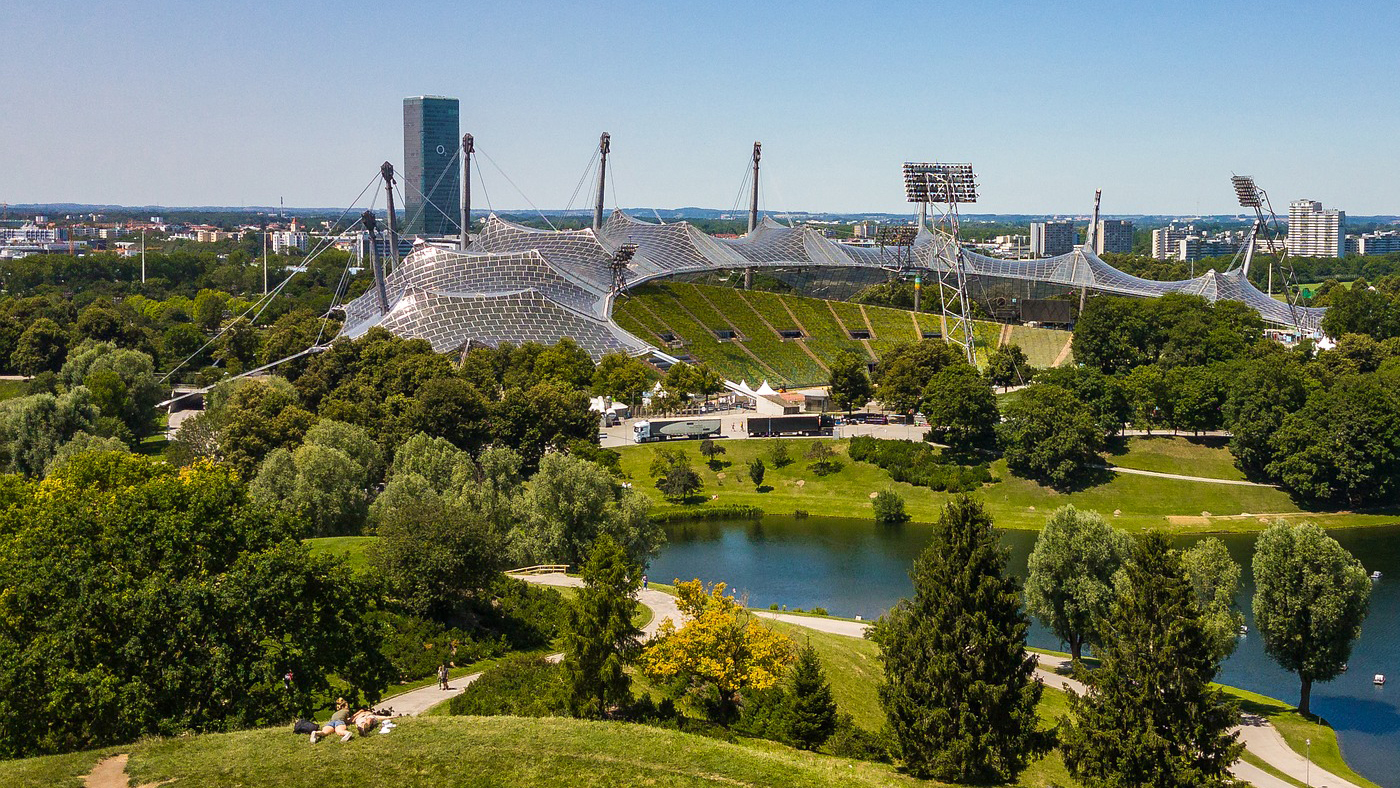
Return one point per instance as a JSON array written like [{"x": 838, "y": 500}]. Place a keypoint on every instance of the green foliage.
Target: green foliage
[
  {"x": 415, "y": 647},
  {"x": 1361, "y": 309},
  {"x": 959, "y": 687},
  {"x": 757, "y": 470},
  {"x": 144, "y": 601},
  {"x": 1070, "y": 585},
  {"x": 524, "y": 685},
  {"x": 1343, "y": 446},
  {"x": 850, "y": 384},
  {"x": 918, "y": 464},
  {"x": 889, "y": 508},
  {"x": 675, "y": 477},
  {"x": 33, "y": 428},
  {"x": 1050, "y": 436},
  {"x": 1261, "y": 394},
  {"x": 545, "y": 416},
  {"x": 1008, "y": 366},
  {"x": 600, "y": 638},
  {"x": 1215, "y": 579},
  {"x": 317, "y": 485},
  {"x": 41, "y": 348},
  {"x": 570, "y": 502},
  {"x": 1151, "y": 715},
  {"x": 453, "y": 409},
  {"x": 433, "y": 557},
  {"x": 1105, "y": 396},
  {"x": 1116, "y": 334},
  {"x": 354, "y": 442},
  {"x": 904, "y": 372},
  {"x": 811, "y": 713},
  {"x": 961, "y": 407},
  {"x": 824, "y": 459},
  {"x": 123, "y": 383},
  {"x": 81, "y": 443},
  {"x": 778, "y": 454},
  {"x": 623, "y": 377},
  {"x": 1310, "y": 597},
  {"x": 258, "y": 417}
]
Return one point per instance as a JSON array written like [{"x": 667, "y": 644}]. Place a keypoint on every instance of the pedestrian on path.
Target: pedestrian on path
[{"x": 442, "y": 676}]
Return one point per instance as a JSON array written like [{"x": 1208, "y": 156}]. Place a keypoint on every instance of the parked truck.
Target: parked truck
[
  {"x": 674, "y": 429},
  {"x": 774, "y": 426}
]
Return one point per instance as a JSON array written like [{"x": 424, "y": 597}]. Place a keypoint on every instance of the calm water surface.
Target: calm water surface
[{"x": 855, "y": 567}]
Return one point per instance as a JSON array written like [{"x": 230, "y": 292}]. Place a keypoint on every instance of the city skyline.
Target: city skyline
[{"x": 1157, "y": 107}]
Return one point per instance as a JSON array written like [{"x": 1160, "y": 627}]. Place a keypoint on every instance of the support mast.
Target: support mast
[
  {"x": 386, "y": 170},
  {"x": 380, "y": 292},
  {"x": 604, "y": 144},
  {"x": 468, "y": 148},
  {"x": 753, "y": 208}
]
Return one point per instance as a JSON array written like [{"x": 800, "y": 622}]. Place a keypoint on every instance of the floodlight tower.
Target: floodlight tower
[
  {"x": 604, "y": 145},
  {"x": 1251, "y": 196},
  {"x": 618, "y": 264},
  {"x": 945, "y": 187},
  {"x": 900, "y": 239}
]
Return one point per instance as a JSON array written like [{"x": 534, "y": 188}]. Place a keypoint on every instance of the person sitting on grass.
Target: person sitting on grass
[{"x": 338, "y": 723}]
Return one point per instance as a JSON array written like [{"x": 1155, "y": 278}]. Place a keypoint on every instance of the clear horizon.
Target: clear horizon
[{"x": 240, "y": 104}]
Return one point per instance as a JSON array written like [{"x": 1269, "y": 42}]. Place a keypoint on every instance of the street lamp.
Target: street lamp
[{"x": 1307, "y": 760}]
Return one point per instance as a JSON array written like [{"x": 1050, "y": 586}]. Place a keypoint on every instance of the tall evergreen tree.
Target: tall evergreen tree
[
  {"x": 601, "y": 637},
  {"x": 1150, "y": 716},
  {"x": 958, "y": 683},
  {"x": 811, "y": 717}
]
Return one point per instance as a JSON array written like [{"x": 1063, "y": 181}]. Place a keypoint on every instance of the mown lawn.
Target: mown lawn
[
  {"x": 354, "y": 549},
  {"x": 1186, "y": 455},
  {"x": 464, "y": 751},
  {"x": 1143, "y": 502}
]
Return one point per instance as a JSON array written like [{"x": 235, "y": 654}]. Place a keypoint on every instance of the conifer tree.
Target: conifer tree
[
  {"x": 600, "y": 637},
  {"x": 1150, "y": 716},
  {"x": 811, "y": 717},
  {"x": 958, "y": 686}
]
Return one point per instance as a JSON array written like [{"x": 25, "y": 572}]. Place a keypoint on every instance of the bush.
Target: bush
[
  {"x": 851, "y": 741},
  {"x": 417, "y": 646},
  {"x": 778, "y": 453},
  {"x": 526, "y": 616},
  {"x": 918, "y": 464},
  {"x": 765, "y": 714},
  {"x": 889, "y": 508},
  {"x": 524, "y": 685}
]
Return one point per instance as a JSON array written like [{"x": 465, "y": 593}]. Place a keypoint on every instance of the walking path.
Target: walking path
[{"x": 1182, "y": 477}]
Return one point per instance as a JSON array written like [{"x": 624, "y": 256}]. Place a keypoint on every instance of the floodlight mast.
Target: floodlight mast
[
  {"x": 937, "y": 183},
  {"x": 1251, "y": 196},
  {"x": 604, "y": 145},
  {"x": 380, "y": 293},
  {"x": 618, "y": 264}
]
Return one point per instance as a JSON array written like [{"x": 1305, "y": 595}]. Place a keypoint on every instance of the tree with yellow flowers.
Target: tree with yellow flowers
[{"x": 720, "y": 651}]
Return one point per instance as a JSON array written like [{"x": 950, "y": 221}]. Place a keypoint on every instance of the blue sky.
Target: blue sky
[{"x": 240, "y": 103}]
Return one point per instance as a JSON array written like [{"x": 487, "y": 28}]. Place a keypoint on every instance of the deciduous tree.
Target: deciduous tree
[
  {"x": 1310, "y": 597},
  {"x": 1050, "y": 436},
  {"x": 1070, "y": 586}
]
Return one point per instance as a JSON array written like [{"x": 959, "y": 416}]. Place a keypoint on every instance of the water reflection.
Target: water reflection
[{"x": 858, "y": 567}]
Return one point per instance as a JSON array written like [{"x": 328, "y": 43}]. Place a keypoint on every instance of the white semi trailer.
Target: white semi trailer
[{"x": 674, "y": 429}]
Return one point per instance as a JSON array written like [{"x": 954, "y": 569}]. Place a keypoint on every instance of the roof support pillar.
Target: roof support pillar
[{"x": 604, "y": 145}]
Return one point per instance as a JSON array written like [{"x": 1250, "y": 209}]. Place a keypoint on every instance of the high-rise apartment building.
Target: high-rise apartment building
[
  {"x": 1114, "y": 235},
  {"x": 1314, "y": 232},
  {"x": 1051, "y": 238},
  {"x": 1166, "y": 241},
  {"x": 432, "y": 182}
]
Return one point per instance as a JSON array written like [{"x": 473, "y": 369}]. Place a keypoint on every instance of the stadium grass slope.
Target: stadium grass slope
[{"x": 693, "y": 313}]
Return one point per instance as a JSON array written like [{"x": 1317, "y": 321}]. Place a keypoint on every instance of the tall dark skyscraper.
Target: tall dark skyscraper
[{"x": 431, "y": 138}]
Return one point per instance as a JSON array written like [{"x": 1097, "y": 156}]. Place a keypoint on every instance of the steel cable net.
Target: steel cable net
[{"x": 522, "y": 284}]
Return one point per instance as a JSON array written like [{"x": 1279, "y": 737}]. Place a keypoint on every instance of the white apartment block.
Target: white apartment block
[
  {"x": 1166, "y": 241},
  {"x": 1314, "y": 232},
  {"x": 289, "y": 239},
  {"x": 1384, "y": 242}
]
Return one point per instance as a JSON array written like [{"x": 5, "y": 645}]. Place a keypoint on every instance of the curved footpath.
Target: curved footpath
[{"x": 1260, "y": 738}]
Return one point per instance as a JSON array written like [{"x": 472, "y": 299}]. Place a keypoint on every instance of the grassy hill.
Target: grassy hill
[
  {"x": 696, "y": 316},
  {"x": 463, "y": 751},
  {"x": 1141, "y": 502}
]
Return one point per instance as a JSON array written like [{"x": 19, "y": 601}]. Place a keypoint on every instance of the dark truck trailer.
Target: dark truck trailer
[{"x": 774, "y": 426}]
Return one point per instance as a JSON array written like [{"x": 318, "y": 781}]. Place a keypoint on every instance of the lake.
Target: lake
[{"x": 856, "y": 567}]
